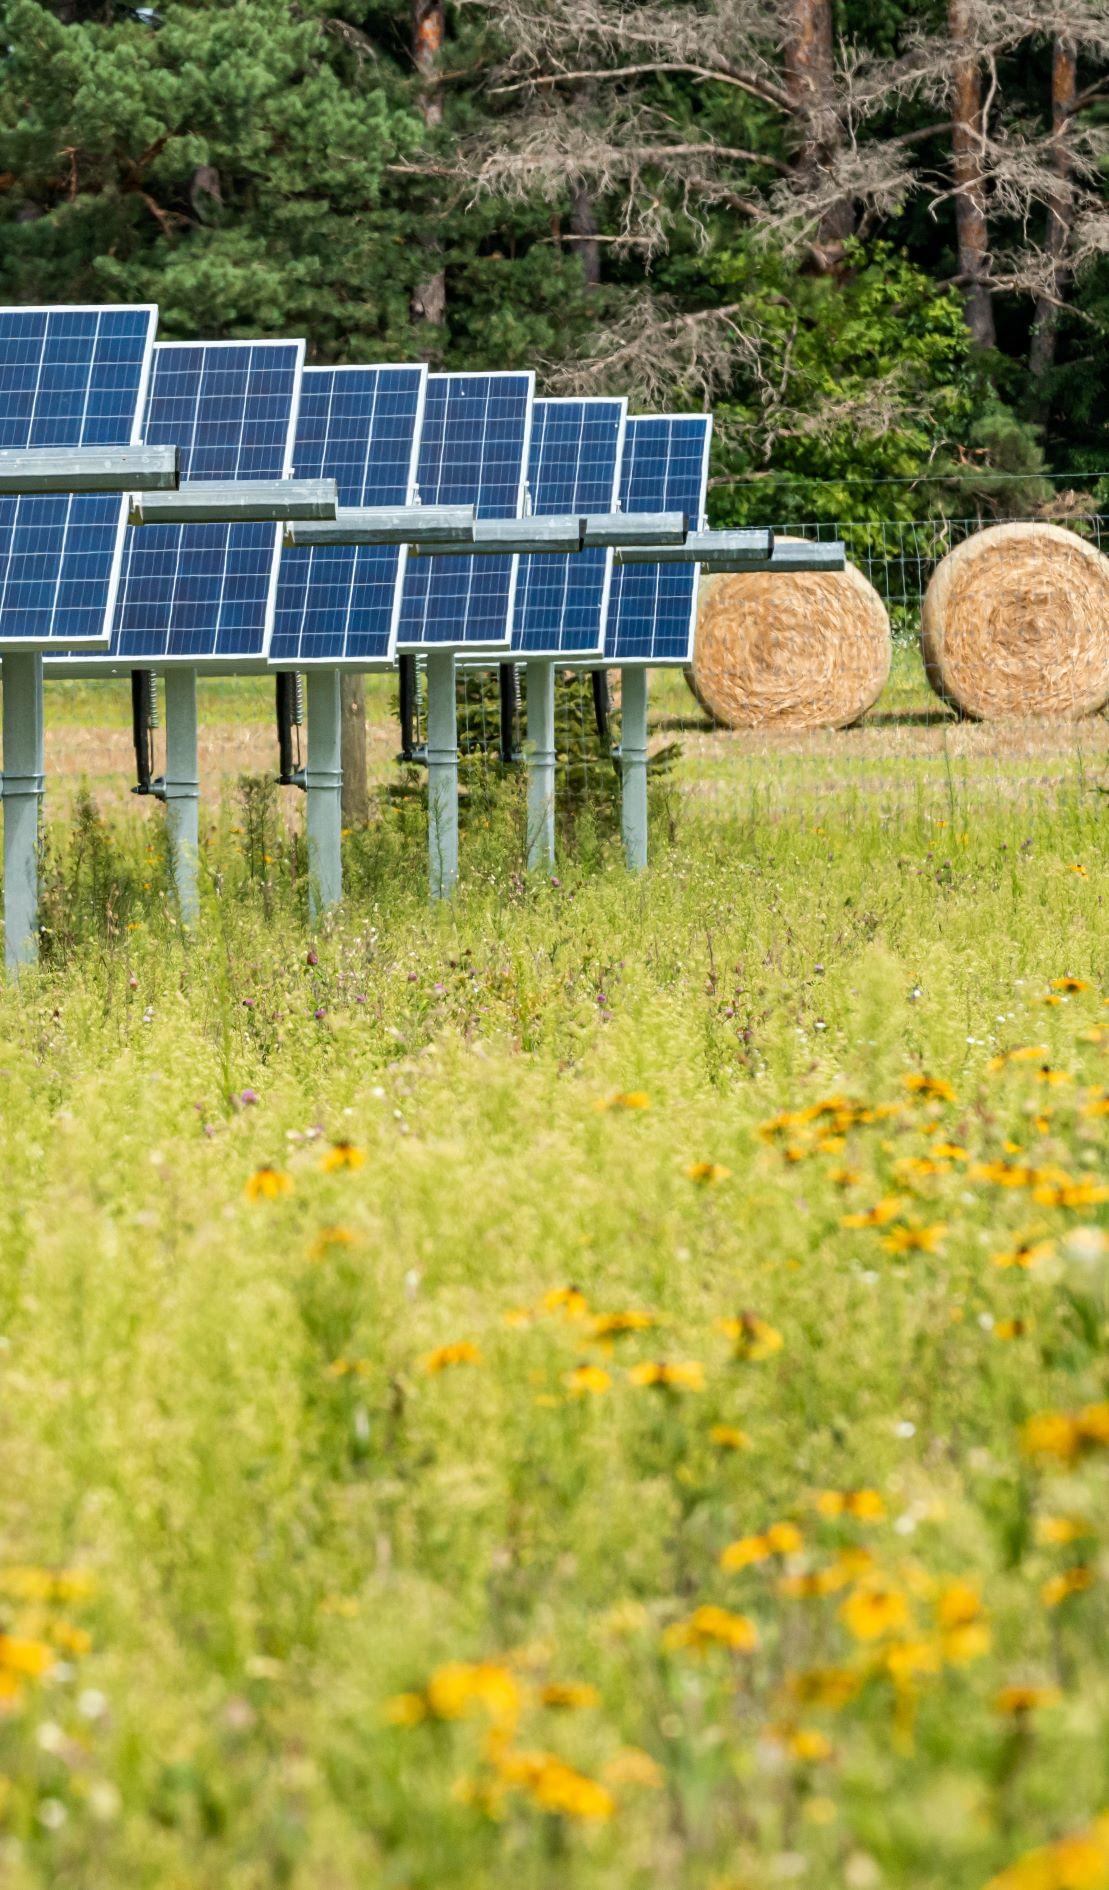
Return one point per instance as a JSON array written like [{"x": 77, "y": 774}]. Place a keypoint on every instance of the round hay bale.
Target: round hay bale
[
  {"x": 806, "y": 650},
  {"x": 1016, "y": 622}
]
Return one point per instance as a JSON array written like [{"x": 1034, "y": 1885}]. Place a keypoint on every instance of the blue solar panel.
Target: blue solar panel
[
  {"x": 573, "y": 466},
  {"x": 652, "y": 607},
  {"x": 473, "y": 451},
  {"x": 204, "y": 594},
  {"x": 68, "y": 377},
  {"x": 340, "y": 603}
]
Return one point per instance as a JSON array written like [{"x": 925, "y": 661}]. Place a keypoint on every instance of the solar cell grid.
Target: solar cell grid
[
  {"x": 652, "y": 606},
  {"x": 339, "y": 604},
  {"x": 68, "y": 377},
  {"x": 473, "y": 450},
  {"x": 204, "y": 594},
  {"x": 573, "y": 466}
]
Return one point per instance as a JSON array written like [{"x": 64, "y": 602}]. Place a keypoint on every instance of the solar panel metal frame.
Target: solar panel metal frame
[
  {"x": 465, "y": 646},
  {"x": 519, "y": 650},
  {"x": 611, "y": 657},
  {"x": 113, "y": 664},
  {"x": 364, "y": 664},
  {"x": 150, "y": 310}
]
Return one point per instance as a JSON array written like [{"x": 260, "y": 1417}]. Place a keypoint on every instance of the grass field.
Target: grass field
[{"x": 601, "y": 1386}]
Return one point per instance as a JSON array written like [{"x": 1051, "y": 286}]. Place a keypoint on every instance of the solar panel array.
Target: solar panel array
[
  {"x": 68, "y": 377},
  {"x": 573, "y": 466},
  {"x": 204, "y": 594},
  {"x": 652, "y": 607},
  {"x": 339, "y": 604},
  {"x": 473, "y": 451}
]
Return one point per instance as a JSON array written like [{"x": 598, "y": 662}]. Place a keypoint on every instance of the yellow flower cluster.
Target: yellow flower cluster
[{"x": 1080, "y": 1862}]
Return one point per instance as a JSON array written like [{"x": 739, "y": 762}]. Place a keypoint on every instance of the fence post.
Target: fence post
[
  {"x": 541, "y": 765},
  {"x": 24, "y": 786},
  {"x": 633, "y": 766}
]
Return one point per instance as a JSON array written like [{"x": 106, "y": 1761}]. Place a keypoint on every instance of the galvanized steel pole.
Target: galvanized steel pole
[
  {"x": 24, "y": 786},
  {"x": 633, "y": 766},
  {"x": 541, "y": 766},
  {"x": 182, "y": 791},
  {"x": 442, "y": 775},
  {"x": 324, "y": 781}
]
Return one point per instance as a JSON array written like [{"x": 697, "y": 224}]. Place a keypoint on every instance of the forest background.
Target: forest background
[{"x": 872, "y": 234}]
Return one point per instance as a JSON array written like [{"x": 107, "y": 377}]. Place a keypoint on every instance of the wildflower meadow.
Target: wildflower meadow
[{"x": 599, "y": 1385}]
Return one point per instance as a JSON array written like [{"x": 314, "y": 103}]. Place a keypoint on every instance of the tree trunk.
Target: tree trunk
[
  {"x": 810, "y": 81},
  {"x": 967, "y": 144},
  {"x": 429, "y": 299},
  {"x": 1045, "y": 328},
  {"x": 583, "y": 222},
  {"x": 356, "y": 799}
]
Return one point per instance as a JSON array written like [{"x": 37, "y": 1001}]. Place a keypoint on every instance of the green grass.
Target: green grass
[{"x": 218, "y": 1412}]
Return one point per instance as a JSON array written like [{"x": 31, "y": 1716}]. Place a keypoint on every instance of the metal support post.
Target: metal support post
[
  {"x": 633, "y": 766},
  {"x": 442, "y": 775},
  {"x": 541, "y": 765},
  {"x": 182, "y": 790},
  {"x": 24, "y": 785},
  {"x": 324, "y": 780}
]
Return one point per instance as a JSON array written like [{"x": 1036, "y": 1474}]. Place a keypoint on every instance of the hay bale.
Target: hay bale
[
  {"x": 806, "y": 650},
  {"x": 1016, "y": 622}
]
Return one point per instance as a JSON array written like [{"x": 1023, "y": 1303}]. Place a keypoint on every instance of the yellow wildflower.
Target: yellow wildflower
[
  {"x": 964, "y": 1635},
  {"x": 1080, "y": 1862},
  {"x": 587, "y": 1381},
  {"x": 1016, "y": 1702},
  {"x": 915, "y": 1239},
  {"x": 329, "y": 1237},
  {"x": 863, "y": 1505},
  {"x": 1069, "y": 984},
  {"x": 342, "y": 1155},
  {"x": 711, "y": 1626},
  {"x": 462, "y": 1352},
  {"x": 568, "y": 1695},
  {"x": 833, "y": 1687},
  {"x": 677, "y": 1375},
  {"x": 570, "y": 1301},
  {"x": 929, "y": 1088},
  {"x": 745, "y": 1553},
  {"x": 554, "y": 1786},
  {"x": 873, "y": 1610},
  {"x": 1059, "y": 1531},
  {"x": 1070, "y": 1194},
  {"x": 707, "y": 1173},
  {"x": 624, "y": 1099},
  {"x": 1072, "y": 1581},
  {"x": 784, "y": 1538},
  {"x": 26, "y": 1659},
  {"x": 906, "y": 1661},
  {"x": 607, "y": 1326},
  {"x": 1065, "y": 1434},
  {"x": 729, "y": 1437},
  {"x": 754, "y": 1339},
  {"x": 462, "y": 1687},
  {"x": 1027, "y": 1053},
  {"x": 1012, "y": 1328},
  {"x": 889, "y": 1208},
  {"x": 266, "y": 1184},
  {"x": 1026, "y": 1253}
]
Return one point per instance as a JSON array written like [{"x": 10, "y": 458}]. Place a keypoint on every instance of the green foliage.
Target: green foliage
[{"x": 861, "y": 379}]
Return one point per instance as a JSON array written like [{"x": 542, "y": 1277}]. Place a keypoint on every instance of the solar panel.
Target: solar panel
[
  {"x": 473, "y": 451},
  {"x": 573, "y": 466},
  {"x": 204, "y": 594},
  {"x": 652, "y": 606},
  {"x": 68, "y": 377},
  {"x": 340, "y": 604}
]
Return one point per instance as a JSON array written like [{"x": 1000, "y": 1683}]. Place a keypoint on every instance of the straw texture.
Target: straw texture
[
  {"x": 805, "y": 650},
  {"x": 1015, "y": 622}
]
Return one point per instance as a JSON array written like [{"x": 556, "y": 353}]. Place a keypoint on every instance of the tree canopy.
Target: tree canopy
[{"x": 872, "y": 234}]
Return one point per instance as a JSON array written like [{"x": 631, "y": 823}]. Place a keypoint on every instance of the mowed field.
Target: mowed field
[{"x": 600, "y": 1386}]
